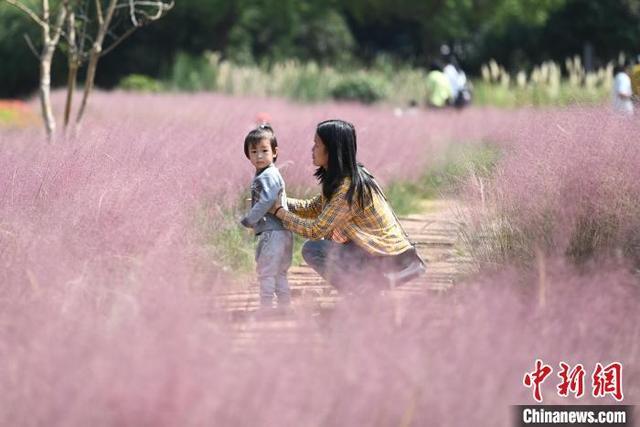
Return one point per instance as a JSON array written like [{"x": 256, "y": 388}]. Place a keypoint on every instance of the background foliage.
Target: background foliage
[{"x": 347, "y": 34}]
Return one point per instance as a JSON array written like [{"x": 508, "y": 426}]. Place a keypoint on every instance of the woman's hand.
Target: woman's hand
[{"x": 276, "y": 204}]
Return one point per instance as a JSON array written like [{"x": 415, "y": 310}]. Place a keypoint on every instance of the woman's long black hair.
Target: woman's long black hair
[{"x": 339, "y": 138}]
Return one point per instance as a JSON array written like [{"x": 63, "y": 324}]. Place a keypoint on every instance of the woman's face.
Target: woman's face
[{"x": 319, "y": 153}]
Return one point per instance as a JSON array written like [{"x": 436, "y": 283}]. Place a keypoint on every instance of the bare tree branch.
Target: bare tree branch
[
  {"x": 28, "y": 11},
  {"x": 119, "y": 40},
  {"x": 94, "y": 55},
  {"x": 132, "y": 13},
  {"x": 45, "y": 11},
  {"x": 99, "y": 12},
  {"x": 162, "y": 8},
  {"x": 31, "y": 46},
  {"x": 135, "y": 5},
  {"x": 58, "y": 27},
  {"x": 146, "y": 3},
  {"x": 73, "y": 61},
  {"x": 155, "y": 17}
]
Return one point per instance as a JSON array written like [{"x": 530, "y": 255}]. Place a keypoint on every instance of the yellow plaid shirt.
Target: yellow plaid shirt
[{"x": 373, "y": 228}]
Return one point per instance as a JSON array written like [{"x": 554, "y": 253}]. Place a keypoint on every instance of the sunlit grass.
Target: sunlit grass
[{"x": 445, "y": 176}]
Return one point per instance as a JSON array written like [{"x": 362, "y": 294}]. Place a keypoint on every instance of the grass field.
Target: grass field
[{"x": 113, "y": 241}]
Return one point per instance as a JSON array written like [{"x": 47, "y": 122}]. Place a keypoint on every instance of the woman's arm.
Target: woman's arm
[
  {"x": 309, "y": 208},
  {"x": 334, "y": 215}
]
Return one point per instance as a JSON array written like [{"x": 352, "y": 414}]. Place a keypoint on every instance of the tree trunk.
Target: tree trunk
[
  {"x": 94, "y": 56},
  {"x": 45, "y": 90},
  {"x": 71, "y": 87},
  {"x": 88, "y": 83},
  {"x": 73, "y": 63},
  {"x": 49, "y": 47}
]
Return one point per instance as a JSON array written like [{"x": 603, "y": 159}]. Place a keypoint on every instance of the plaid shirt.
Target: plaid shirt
[{"x": 373, "y": 228}]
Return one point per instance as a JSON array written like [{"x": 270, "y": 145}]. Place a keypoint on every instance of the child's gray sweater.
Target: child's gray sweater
[{"x": 264, "y": 189}]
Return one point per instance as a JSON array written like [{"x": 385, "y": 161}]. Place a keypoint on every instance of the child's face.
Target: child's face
[{"x": 261, "y": 154}]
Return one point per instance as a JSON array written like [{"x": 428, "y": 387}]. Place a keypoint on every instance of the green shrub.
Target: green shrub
[
  {"x": 309, "y": 84},
  {"x": 234, "y": 246},
  {"x": 230, "y": 245},
  {"x": 193, "y": 73},
  {"x": 6, "y": 116},
  {"x": 404, "y": 197},
  {"x": 359, "y": 88},
  {"x": 140, "y": 83},
  {"x": 16, "y": 114}
]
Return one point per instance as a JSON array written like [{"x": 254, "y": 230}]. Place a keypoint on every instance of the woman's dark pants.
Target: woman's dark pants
[{"x": 347, "y": 266}]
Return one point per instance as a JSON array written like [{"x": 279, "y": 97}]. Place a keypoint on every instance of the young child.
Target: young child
[{"x": 275, "y": 243}]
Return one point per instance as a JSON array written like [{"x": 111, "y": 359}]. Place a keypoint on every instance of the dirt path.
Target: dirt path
[{"x": 435, "y": 231}]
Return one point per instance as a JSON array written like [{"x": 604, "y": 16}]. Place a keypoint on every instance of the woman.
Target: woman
[{"x": 354, "y": 235}]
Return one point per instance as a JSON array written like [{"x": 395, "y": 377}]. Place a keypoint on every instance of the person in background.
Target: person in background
[
  {"x": 635, "y": 79},
  {"x": 453, "y": 75},
  {"x": 439, "y": 92},
  {"x": 460, "y": 90},
  {"x": 622, "y": 93}
]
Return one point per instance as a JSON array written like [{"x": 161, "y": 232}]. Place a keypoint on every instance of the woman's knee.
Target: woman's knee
[
  {"x": 308, "y": 250},
  {"x": 314, "y": 251}
]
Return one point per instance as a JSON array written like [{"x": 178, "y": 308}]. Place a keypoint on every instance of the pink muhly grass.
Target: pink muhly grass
[
  {"x": 451, "y": 360},
  {"x": 568, "y": 184},
  {"x": 125, "y": 191},
  {"x": 106, "y": 315}
]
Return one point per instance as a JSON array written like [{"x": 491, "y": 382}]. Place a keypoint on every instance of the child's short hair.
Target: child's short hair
[{"x": 264, "y": 131}]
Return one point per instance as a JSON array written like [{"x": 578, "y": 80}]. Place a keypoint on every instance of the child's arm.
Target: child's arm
[
  {"x": 309, "y": 208},
  {"x": 268, "y": 189}
]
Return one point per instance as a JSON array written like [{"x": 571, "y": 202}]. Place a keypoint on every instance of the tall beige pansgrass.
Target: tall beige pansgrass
[{"x": 546, "y": 84}]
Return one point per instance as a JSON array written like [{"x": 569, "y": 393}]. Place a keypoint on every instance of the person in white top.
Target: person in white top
[
  {"x": 451, "y": 71},
  {"x": 622, "y": 91},
  {"x": 460, "y": 91}
]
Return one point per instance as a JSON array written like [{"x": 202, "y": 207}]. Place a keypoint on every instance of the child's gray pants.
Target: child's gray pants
[{"x": 273, "y": 259}]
